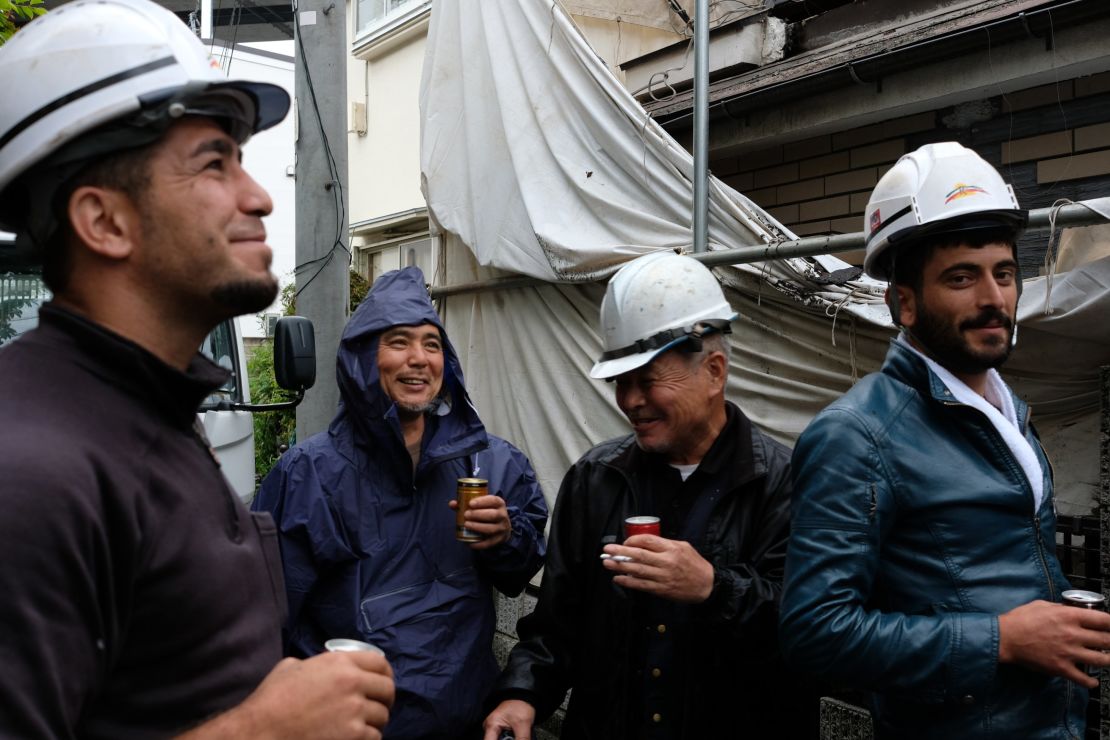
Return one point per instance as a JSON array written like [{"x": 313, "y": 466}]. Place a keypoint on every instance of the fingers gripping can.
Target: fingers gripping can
[
  {"x": 467, "y": 490},
  {"x": 1085, "y": 600},
  {"x": 641, "y": 525}
]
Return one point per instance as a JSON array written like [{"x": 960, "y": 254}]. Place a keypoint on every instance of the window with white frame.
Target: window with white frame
[{"x": 371, "y": 13}]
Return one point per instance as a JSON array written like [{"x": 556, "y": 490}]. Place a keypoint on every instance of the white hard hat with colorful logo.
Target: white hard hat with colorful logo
[{"x": 942, "y": 188}]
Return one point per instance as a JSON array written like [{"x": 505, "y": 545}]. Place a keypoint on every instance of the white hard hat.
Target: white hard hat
[
  {"x": 937, "y": 189},
  {"x": 652, "y": 304},
  {"x": 91, "y": 62}
]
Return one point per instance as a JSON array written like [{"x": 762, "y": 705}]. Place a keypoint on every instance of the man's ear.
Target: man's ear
[
  {"x": 105, "y": 221},
  {"x": 717, "y": 367},
  {"x": 906, "y": 304}
]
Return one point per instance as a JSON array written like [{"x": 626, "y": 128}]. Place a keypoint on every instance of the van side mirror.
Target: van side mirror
[
  {"x": 294, "y": 363},
  {"x": 294, "y": 353}
]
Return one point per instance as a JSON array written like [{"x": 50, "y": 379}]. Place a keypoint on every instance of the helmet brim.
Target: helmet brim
[
  {"x": 609, "y": 369},
  {"x": 271, "y": 102}
]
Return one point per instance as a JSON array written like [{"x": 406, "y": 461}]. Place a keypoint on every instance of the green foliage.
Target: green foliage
[
  {"x": 15, "y": 14},
  {"x": 360, "y": 286},
  {"x": 274, "y": 429},
  {"x": 10, "y": 310}
]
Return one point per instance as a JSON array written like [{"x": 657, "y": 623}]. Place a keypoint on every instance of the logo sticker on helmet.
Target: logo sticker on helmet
[
  {"x": 876, "y": 221},
  {"x": 963, "y": 191}
]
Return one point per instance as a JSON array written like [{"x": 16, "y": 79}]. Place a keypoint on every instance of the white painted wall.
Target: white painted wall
[{"x": 384, "y": 165}]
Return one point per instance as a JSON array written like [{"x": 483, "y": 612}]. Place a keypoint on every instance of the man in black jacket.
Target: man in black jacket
[
  {"x": 668, "y": 635},
  {"x": 141, "y": 598}
]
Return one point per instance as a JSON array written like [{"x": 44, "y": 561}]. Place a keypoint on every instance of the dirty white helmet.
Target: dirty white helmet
[
  {"x": 940, "y": 188},
  {"x": 654, "y": 303},
  {"x": 90, "y": 63}
]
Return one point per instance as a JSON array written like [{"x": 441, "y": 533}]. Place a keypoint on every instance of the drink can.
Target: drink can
[
  {"x": 467, "y": 490},
  {"x": 347, "y": 645},
  {"x": 641, "y": 525},
  {"x": 1085, "y": 600}
]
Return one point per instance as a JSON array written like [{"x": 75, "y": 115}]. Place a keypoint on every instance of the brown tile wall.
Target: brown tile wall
[{"x": 1042, "y": 139}]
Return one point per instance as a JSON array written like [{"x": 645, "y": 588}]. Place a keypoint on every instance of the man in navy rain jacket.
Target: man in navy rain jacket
[{"x": 367, "y": 524}]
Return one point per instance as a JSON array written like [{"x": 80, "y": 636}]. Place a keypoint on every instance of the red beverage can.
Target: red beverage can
[{"x": 641, "y": 525}]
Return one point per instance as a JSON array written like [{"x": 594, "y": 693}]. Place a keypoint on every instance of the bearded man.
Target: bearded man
[{"x": 922, "y": 564}]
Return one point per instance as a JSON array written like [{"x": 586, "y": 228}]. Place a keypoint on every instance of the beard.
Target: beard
[
  {"x": 246, "y": 296},
  {"x": 416, "y": 409},
  {"x": 952, "y": 350}
]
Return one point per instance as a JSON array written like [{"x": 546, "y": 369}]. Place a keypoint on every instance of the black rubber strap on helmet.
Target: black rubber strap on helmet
[
  {"x": 82, "y": 92},
  {"x": 669, "y": 336}
]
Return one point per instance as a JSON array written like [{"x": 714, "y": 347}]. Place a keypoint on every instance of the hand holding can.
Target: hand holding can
[
  {"x": 467, "y": 490},
  {"x": 641, "y": 525},
  {"x": 1085, "y": 600}
]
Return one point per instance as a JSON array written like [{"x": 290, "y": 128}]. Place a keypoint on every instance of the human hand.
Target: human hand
[
  {"x": 489, "y": 517},
  {"x": 1054, "y": 638},
  {"x": 332, "y": 696},
  {"x": 512, "y": 714},
  {"x": 672, "y": 569}
]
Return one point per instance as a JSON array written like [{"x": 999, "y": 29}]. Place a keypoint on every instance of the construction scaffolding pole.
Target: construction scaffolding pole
[
  {"x": 1074, "y": 214},
  {"x": 701, "y": 126}
]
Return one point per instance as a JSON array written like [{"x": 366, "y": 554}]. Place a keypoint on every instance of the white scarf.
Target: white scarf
[{"x": 998, "y": 406}]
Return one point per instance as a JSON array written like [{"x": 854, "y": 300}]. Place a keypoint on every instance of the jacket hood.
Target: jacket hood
[{"x": 400, "y": 298}]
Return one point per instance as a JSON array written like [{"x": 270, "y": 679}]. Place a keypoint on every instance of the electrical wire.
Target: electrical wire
[{"x": 236, "y": 19}]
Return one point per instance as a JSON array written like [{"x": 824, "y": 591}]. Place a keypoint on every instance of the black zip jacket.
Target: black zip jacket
[
  {"x": 584, "y": 633},
  {"x": 140, "y": 597}
]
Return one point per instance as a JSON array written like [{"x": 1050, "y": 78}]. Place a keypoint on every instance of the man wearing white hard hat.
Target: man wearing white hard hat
[
  {"x": 672, "y": 634},
  {"x": 141, "y": 599},
  {"x": 922, "y": 564}
]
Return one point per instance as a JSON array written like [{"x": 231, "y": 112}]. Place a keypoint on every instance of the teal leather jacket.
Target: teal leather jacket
[{"x": 912, "y": 529}]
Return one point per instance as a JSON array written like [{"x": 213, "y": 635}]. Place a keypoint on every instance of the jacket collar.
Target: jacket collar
[
  {"x": 173, "y": 394},
  {"x": 733, "y": 453},
  {"x": 906, "y": 366}
]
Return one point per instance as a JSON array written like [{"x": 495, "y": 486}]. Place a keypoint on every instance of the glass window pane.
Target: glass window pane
[{"x": 219, "y": 346}]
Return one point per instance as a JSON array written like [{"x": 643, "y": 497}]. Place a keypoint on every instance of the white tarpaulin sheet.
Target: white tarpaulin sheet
[{"x": 536, "y": 161}]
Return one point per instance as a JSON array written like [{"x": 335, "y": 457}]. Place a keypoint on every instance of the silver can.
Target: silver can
[
  {"x": 1085, "y": 600},
  {"x": 347, "y": 645}
]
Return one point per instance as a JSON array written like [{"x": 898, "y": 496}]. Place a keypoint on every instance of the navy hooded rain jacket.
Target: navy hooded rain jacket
[{"x": 369, "y": 548}]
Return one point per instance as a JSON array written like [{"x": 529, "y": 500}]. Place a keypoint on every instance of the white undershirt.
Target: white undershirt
[
  {"x": 998, "y": 406},
  {"x": 685, "y": 470}
]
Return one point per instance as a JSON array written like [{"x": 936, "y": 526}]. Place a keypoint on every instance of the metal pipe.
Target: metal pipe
[
  {"x": 701, "y": 126},
  {"x": 1075, "y": 214}
]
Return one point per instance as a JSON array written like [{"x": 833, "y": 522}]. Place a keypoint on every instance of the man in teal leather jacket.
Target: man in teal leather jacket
[{"x": 922, "y": 563}]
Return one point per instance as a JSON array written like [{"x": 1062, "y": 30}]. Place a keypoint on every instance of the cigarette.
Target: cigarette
[{"x": 616, "y": 558}]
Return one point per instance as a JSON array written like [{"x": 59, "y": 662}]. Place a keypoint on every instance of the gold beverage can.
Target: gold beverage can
[{"x": 468, "y": 489}]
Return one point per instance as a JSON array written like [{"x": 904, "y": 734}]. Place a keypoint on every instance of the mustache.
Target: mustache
[{"x": 989, "y": 316}]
